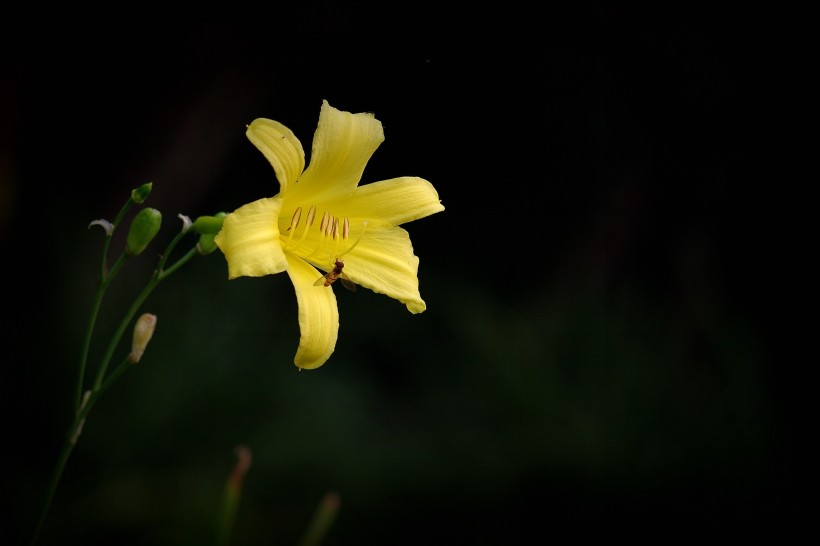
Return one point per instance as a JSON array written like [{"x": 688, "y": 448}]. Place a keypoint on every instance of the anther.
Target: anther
[
  {"x": 294, "y": 221},
  {"x": 325, "y": 220},
  {"x": 310, "y": 216}
]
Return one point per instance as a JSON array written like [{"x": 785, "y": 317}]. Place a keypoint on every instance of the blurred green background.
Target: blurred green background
[{"x": 597, "y": 356}]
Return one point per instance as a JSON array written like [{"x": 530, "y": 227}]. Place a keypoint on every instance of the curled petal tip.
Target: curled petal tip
[
  {"x": 186, "y": 223},
  {"x": 105, "y": 224}
]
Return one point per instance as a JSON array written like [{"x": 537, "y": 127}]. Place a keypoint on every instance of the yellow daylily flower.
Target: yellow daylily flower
[{"x": 321, "y": 219}]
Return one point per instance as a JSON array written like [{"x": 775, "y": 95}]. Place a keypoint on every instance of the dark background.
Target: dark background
[{"x": 599, "y": 353}]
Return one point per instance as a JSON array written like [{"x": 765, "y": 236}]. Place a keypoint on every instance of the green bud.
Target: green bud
[
  {"x": 206, "y": 244},
  {"x": 209, "y": 225},
  {"x": 144, "y": 227},
  {"x": 138, "y": 195}
]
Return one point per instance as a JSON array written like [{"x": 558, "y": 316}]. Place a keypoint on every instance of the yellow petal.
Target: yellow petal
[
  {"x": 342, "y": 146},
  {"x": 384, "y": 262},
  {"x": 318, "y": 315},
  {"x": 249, "y": 238},
  {"x": 394, "y": 201},
  {"x": 281, "y": 147}
]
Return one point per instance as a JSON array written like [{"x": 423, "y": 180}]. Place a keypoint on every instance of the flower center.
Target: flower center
[{"x": 319, "y": 243}]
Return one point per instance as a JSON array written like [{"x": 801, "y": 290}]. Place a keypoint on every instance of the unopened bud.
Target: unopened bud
[
  {"x": 209, "y": 225},
  {"x": 206, "y": 244},
  {"x": 138, "y": 195},
  {"x": 143, "y": 330},
  {"x": 144, "y": 227}
]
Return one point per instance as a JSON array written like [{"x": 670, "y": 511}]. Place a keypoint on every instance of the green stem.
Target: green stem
[
  {"x": 158, "y": 276},
  {"x": 115, "y": 339},
  {"x": 105, "y": 281},
  {"x": 71, "y": 440},
  {"x": 163, "y": 273},
  {"x": 113, "y": 376},
  {"x": 55, "y": 480},
  {"x": 120, "y": 215},
  {"x": 101, "y": 384},
  {"x": 182, "y": 261}
]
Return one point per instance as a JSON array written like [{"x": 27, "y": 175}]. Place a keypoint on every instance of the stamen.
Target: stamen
[
  {"x": 325, "y": 231},
  {"x": 328, "y": 243},
  {"x": 356, "y": 242},
  {"x": 336, "y": 236},
  {"x": 346, "y": 228},
  {"x": 294, "y": 221},
  {"x": 294, "y": 224},
  {"x": 325, "y": 220}
]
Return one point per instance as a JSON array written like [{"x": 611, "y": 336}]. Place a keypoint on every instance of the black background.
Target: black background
[{"x": 599, "y": 355}]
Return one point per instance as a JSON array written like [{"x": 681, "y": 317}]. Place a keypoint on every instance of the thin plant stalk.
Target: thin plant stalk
[{"x": 84, "y": 402}]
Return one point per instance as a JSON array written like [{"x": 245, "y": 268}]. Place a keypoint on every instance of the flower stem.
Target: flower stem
[
  {"x": 115, "y": 339},
  {"x": 105, "y": 281},
  {"x": 52, "y": 488},
  {"x": 84, "y": 402},
  {"x": 158, "y": 276},
  {"x": 71, "y": 438}
]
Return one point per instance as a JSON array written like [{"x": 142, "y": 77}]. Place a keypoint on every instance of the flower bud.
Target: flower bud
[
  {"x": 209, "y": 225},
  {"x": 144, "y": 227},
  {"x": 143, "y": 330},
  {"x": 206, "y": 244},
  {"x": 138, "y": 195}
]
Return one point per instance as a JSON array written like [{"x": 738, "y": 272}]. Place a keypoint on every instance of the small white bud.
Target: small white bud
[{"x": 143, "y": 330}]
